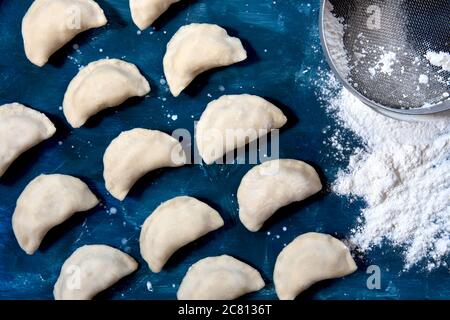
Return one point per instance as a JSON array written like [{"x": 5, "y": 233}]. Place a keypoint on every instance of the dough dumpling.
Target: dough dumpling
[
  {"x": 46, "y": 202},
  {"x": 90, "y": 270},
  {"x": 102, "y": 84},
  {"x": 310, "y": 258},
  {"x": 272, "y": 185},
  {"x": 244, "y": 118},
  {"x": 136, "y": 152},
  {"x": 49, "y": 24},
  {"x": 196, "y": 48},
  {"x": 21, "y": 128},
  {"x": 145, "y": 12},
  {"x": 174, "y": 224},
  {"x": 219, "y": 278}
]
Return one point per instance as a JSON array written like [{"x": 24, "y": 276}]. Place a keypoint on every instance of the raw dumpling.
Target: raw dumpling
[
  {"x": 102, "y": 84},
  {"x": 219, "y": 278},
  {"x": 136, "y": 152},
  {"x": 49, "y": 24},
  {"x": 90, "y": 270},
  {"x": 310, "y": 258},
  {"x": 196, "y": 48},
  {"x": 272, "y": 185},
  {"x": 46, "y": 202},
  {"x": 20, "y": 129},
  {"x": 243, "y": 117},
  {"x": 145, "y": 12},
  {"x": 174, "y": 224}
]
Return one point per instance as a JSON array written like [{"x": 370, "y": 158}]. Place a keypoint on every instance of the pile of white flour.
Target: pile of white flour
[{"x": 402, "y": 173}]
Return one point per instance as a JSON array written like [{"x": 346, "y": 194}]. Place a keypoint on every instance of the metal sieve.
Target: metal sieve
[{"x": 385, "y": 45}]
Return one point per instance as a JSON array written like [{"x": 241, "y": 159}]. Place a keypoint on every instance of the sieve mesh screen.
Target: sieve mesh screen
[{"x": 386, "y": 43}]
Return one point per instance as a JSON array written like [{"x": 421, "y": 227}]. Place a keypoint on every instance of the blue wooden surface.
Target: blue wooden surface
[{"x": 283, "y": 41}]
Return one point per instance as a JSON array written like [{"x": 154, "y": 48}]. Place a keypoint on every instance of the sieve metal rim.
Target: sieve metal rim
[{"x": 433, "y": 109}]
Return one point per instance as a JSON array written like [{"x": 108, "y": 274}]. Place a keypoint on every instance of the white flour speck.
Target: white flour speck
[
  {"x": 439, "y": 59},
  {"x": 385, "y": 64},
  {"x": 423, "y": 79}
]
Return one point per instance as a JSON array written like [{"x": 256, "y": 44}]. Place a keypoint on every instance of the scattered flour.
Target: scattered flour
[
  {"x": 402, "y": 171},
  {"x": 441, "y": 59},
  {"x": 404, "y": 176},
  {"x": 385, "y": 64}
]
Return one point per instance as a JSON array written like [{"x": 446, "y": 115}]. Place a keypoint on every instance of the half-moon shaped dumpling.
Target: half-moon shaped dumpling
[
  {"x": 21, "y": 128},
  {"x": 174, "y": 224},
  {"x": 46, "y": 202},
  {"x": 196, "y": 48},
  {"x": 145, "y": 12},
  {"x": 272, "y": 185},
  {"x": 231, "y": 122},
  {"x": 90, "y": 270},
  {"x": 49, "y": 24},
  {"x": 219, "y": 278},
  {"x": 136, "y": 152},
  {"x": 308, "y": 259},
  {"x": 102, "y": 84}
]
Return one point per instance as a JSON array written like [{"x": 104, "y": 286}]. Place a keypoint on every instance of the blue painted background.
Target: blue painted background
[{"x": 284, "y": 55}]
